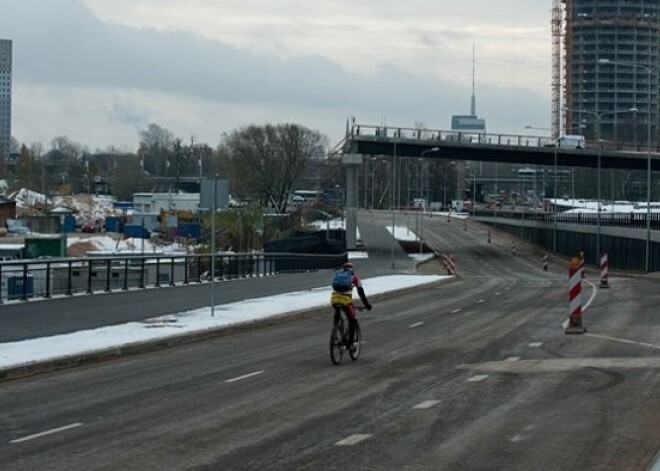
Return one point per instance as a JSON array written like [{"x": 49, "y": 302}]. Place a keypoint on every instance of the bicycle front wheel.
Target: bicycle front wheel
[
  {"x": 354, "y": 351},
  {"x": 336, "y": 344}
]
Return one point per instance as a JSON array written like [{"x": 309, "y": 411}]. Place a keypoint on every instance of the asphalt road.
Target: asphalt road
[{"x": 475, "y": 374}]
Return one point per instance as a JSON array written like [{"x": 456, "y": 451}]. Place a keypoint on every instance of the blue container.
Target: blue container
[
  {"x": 192, "y": 230},
  {"x": 137, "y": 232},
  {"x": 67, "y": 223},
  {"x": 16, "y": 289},
  {"x": 114, "y": 224}
]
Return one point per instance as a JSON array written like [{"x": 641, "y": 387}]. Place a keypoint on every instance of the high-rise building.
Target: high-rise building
[
  {"x": 611, "y": 59},
  {"x": 5, "y": 97}
]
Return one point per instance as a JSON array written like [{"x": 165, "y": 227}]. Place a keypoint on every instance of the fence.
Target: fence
[{"x": 26, "y": 279}]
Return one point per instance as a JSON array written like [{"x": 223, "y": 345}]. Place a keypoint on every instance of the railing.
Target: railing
[
  {"x": 474, "y": 137},
  {"x": 46, "y": 278},
  {"x": 627, "y": 220}
]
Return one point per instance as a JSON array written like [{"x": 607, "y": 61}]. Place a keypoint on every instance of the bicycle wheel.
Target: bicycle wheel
[
  {"x": 354, "y": 351},
  {"x": 336, "y": 342}
]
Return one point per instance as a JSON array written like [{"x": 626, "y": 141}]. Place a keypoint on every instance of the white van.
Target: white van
[{"x": 569, "y": 141}]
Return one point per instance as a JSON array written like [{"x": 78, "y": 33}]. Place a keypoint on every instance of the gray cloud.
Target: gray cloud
[{"x": 63, "y": 43}]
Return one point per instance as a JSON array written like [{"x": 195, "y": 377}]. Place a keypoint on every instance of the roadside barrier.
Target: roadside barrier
[
  {"x": 581, "y": 264},
  {"x": 575, "y": 325},
  {"x": 545, "y": 261},
  {"x": 449, "y": 264},
  {"x": 604, "y": 268}
]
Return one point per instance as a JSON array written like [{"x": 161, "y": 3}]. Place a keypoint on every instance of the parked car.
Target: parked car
[{"x": 91, "y": 226}]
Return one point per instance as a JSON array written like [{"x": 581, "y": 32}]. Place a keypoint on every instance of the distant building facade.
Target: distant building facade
[
  {"x": 5, "y": 97},
  {"x": 627, "y": 34}
]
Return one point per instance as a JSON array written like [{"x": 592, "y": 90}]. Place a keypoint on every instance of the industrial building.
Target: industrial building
[
  {"x": 610, "y": 75},
  {"x": 5, "y": 98}
]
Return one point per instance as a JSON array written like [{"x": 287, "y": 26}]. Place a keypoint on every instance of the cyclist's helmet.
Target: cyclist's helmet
[{"x": 347, "y": 266}]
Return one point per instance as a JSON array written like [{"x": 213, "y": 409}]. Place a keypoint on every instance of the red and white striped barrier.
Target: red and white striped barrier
[
  {"x": 450, "y": 265},
  {"x": 604, "y": 268},
  {"x": 545, "y": 261},
  {"x": 575, "y": 298},
  {"x": 581, "y": 264}
]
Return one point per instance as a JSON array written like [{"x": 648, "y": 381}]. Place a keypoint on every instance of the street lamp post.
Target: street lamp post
[
  {"x": 649, "y": 70},
  {"x": 554, "y": 189},
  {"x": 598, "y": 131}
]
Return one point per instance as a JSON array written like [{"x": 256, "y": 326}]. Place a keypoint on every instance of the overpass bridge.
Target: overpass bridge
[
  {"x": 503, "y": 148},
  {"x": 432, "y": 144}
]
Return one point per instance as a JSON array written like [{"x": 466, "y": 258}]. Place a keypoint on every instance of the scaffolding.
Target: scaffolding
[{"x": 556, "y": 68}]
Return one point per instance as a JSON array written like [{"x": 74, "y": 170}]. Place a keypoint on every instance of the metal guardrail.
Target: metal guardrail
[
  {"x": 46, "y": 278},
  {"x": 625, "y": 220},
  {"x": 474, "y": 137}
]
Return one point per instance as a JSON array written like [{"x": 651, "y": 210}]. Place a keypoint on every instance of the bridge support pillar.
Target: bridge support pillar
[{"x": 351, "y": 163}]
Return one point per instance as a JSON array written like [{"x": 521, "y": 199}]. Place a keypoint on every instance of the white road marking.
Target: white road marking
[
  {"x": 47, "y": 432},
  {"x": 249, "y": 375},
  {"x": 456, "y": 311},
  {"x": 353, "y": 439},
  {"x": 482, "y": 301},
  {"x": 416, "y": 324},
  {"x": 497, "y": 294},
  {"x": 535, "y": 344},
  {"x": 477, "y": 378},
  {"x": 513, "y": 359},
  {"x": 631, "y": 342},
  {"x": 426, "y": 404}
]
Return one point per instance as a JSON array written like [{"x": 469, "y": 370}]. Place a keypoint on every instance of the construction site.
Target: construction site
[{"x": 605, "y": 69}]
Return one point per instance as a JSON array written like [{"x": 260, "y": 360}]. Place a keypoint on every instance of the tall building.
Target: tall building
[
  {"x": 5, "y": 98},
  {"x": 611, "y": 53}
]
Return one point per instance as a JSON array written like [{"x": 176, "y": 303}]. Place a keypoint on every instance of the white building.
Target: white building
[
  {"x": 5, "y": 96},
  {"x": 154, "y": 203}
]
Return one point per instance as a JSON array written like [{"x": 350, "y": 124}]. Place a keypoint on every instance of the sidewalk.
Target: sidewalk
[{"x": 27, "y": 357}]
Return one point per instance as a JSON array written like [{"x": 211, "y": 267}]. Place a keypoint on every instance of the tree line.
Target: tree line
[{"x": 263, "y": 163}]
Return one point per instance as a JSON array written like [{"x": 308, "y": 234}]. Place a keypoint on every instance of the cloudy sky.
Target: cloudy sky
[{"x": 99, "y": 71}]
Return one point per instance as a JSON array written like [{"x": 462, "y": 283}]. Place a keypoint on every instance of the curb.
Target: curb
[{"x": 108, "y": 354}]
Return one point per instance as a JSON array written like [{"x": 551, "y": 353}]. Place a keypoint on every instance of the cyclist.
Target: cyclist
[{"x": 342, "y": 296}]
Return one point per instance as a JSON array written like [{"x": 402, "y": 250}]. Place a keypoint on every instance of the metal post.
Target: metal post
[
  {"x": 213, "y": 209},
  {"x": 393, "y": 204},
  {"x": 554, "y": 209},
  {"x": 648, "y": 178}
]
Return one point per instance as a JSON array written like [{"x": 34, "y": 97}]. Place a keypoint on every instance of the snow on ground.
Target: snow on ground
[
  {"x": 14, "y": 354},
  {"x": 116, "y": 245}
]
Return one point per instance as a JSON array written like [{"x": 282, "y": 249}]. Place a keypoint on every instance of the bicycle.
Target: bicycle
[{"x": 339, "y": 336}]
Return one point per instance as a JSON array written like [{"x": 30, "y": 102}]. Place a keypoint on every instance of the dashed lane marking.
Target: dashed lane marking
[
  {"x": 239, "y": 378},
  {"x": 416, "y": 324},
  {"x": 456, "y": 311},
  {"x": 353, "y": 439},
  {"x": 482, "y": 301},
  {"x": 46, "y": 432},
  {"x": 535, "y": 344},
  {"x": 426, "y": 404},
  {"x": 513, "y": 359},
  {"x": 477, "y": 378}
]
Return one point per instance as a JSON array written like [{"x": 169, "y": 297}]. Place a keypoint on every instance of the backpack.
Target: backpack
[{"x": 343, "y": 280}]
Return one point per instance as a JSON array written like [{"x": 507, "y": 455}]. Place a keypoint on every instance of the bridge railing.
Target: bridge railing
[
  {"x": 50, "y": 277},
  {"x": 466, "y": 137},
  {"x": 474, "y": 137}
]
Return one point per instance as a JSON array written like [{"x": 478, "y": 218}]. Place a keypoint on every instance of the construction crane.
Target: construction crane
[{"x": 556, "y": 68}]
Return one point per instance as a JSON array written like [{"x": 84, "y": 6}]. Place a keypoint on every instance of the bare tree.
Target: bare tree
[{"x": 270, "y": 160}]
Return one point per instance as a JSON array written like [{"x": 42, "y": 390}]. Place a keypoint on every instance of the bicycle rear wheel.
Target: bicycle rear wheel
[
  {"x": 354, "y": 350},
  {"x": 336, "y": 342}
]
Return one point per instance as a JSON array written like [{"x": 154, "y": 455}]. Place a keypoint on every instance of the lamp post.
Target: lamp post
[
  {"x": 649, "y": 70},
  {"x": 392, "y": 204},
  {"x": 598, "y": 130},
  {"x": 554, "y": 189},
  {"x": 420, "y": 219}
]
